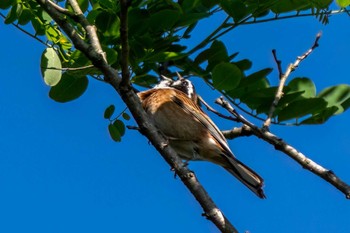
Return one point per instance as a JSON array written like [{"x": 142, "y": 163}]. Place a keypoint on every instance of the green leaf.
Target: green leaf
[
  {"x": 321, "y": 117},
  {"x": 138, "y": 21},
  {"x": 303, "y": 84},
  {"x": 226, "y": 76},
  {"x": 38, "y": 26},
  {"x": 4, "y": 4},
  {"x": 346, "y": 104},
  {"x": 108, "y": 24},
  {"x": 120, "y": 126},
  {"x": 114, "y": 133},
  {"x": 84, "y": 4},
  {"x": 12, "y": 15},
  {"x": 234, "y": 8},
  {"x": 112, "y": 55},
  {"x": 252, "y": 83},
  {"x": 51, "y": 67},
  {"x": 190, "y": 19},
  {"x": 301, "y": 108},
  {"x": 52, "y": 33},
  {"x": 109, "y": 112},
  {"x": 290, "y": 5},
  {"x": 163, "y": 20},
  {"x": 144, "y": 80},
  {"x": 336, "y": 96},
  {"x": 25, "y": 16},
  {"x": 343, "y": 3},
  {"x": 244, "y": 64},
  {"x": 69, "y": 88},
  {"x": 164, "y": 56},
  {"x": 216, "y": 54},
  {"x": 259, "y": 97},
  {"x": 126, "y": 116}
]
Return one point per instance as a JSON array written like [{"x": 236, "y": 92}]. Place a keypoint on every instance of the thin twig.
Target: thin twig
[
  {"x": 70, "y": 68},
  {"x": 283, "y": 79},
  {"x": 277, "y": 17},
  {"x": 26, "y": 32},
  {"x": 279, "y": 64},
  {"x": 211, "y": 109},
  {"x": 289, "y": 150}
]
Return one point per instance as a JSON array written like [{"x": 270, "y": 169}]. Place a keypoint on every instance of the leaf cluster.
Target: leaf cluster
[{"x": 157, "y": 30}]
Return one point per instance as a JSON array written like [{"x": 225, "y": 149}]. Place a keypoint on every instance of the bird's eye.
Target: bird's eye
[{"x": 185, "y": 84}]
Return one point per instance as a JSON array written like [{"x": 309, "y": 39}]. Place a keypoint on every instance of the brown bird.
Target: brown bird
[{"x": 172, "y": 106}]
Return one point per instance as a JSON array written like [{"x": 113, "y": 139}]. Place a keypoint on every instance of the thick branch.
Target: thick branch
[
  {"x": 159, "y": 142},
  {"x": 128, "y": 95},
  {"x": 289, "y": 150}
]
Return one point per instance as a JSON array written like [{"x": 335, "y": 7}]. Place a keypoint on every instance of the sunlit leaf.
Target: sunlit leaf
[
  {"x": 301, "y": 108},
  {"x": 51, "y": 67},
  {"x": 343, "y": 3},
  {"x": 336, "y": 96},
  {"x": 164, "y": 56},
  {"x": 303, "y": 84}
]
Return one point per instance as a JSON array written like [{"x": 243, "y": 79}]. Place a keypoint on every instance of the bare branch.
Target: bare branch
[
  {"x": 289, "y": 150},
  {"x": 70, "y": 68},
  {"x": 90, "y": 29},
  {"x": 211, "y": 109},
  {"x": 279, "y": 63},
  {"x": 283, "y": 79},
  {"x": 238, "y": 132}
]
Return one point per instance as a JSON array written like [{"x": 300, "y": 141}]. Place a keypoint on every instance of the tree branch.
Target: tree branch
[
  {"x": 211, "y": 211},
  {"x": 238, "y": 132},
  {"x": 283, "y": 79},
  {"x": 289, "y": 150},
  {"x": 95, "y": 54}
]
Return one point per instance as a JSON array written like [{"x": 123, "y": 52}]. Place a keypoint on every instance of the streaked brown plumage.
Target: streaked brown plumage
[{"x": 193, "y": 135}]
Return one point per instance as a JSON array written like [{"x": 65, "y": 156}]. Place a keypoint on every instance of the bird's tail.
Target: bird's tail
[{"x": 246, "y": 175}]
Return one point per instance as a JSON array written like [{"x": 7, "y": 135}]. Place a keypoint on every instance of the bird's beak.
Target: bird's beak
[
  {"x": 165, "y": 78},
  {"x": 179, "y": 76}
]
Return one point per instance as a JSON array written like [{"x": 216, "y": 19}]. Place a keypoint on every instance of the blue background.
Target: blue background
[{"x": 61, "y": 172}]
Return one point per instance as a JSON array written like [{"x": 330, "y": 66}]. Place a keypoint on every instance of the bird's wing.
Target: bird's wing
[{"x": 192, "y": 108}]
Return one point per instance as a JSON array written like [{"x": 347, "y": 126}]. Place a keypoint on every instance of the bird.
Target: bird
[{"x": 173, "y": 108}]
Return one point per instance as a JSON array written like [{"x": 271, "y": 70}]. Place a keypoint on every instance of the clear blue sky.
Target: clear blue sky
[{"x": 60, "y": 171}]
